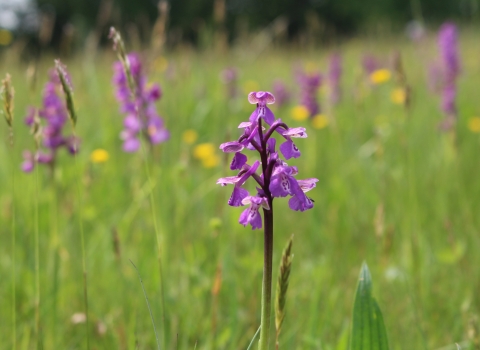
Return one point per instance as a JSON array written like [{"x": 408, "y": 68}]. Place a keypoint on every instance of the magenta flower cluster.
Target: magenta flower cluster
[
  {"x": 54, "y": 115},
  {"x": 141, "y": 117},
  {"x": 277, "y": 178},
  {"x": 450, "y": 63},
  {"x": 309, "y": 85},
  {"x": 334, "y": 77}
]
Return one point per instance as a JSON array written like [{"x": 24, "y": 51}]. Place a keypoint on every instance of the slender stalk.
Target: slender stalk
[
  {"x": 13, "y": 228},
  {"x": 159, "y": 247},
  {"x": 37, "y": 264},
  {"x": 82, "y": 238},
  {"x": 267, "y": 279}
]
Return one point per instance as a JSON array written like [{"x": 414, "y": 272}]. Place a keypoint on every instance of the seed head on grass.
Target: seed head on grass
[
  {"x": 67, "y": 90},
  {"x": 8, "y": 93},
  {"x": 282, "y": 287}
]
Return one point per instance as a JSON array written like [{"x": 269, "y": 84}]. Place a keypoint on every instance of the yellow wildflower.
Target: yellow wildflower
[
  {"x": 6, "y": 37},
  {"x": 99, "y": 156},
  {"x": 398, "y": 96},
  {"x": 160, "y": 64},
  {"x": 250, "y": 85},
  {"x": 380, "y": 76},
  {"x": 300, "y": 113},
  {"x": 203, "y": 150},
  {"x": 474, "y": 124},
  {"x": 211, "y": 161},
  {"x": 189, "y": 136},
  {"x": 320, "y": 121}
]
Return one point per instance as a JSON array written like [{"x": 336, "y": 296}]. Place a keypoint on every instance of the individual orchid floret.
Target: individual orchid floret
[
  {"x": 261, "y": 99},
  {"x": 251, "y": 215}
]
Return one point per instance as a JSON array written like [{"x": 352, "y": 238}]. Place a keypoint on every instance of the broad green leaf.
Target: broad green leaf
[{"x": 368, "y": 329}]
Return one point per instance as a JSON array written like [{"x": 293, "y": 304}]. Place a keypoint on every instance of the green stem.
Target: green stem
[
  {"x": 14, "y": 309},
  {"x": 82, "y": 238},
  {"x": 267, "y": 279},
  {"x": 159, "y": 247},
  {"x": 37, "y": 264}
]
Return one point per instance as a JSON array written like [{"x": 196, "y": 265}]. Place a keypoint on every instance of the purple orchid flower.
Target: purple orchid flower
[
  {"x": 52, "y": 117},
  {"x": 138, "y": 106},
  {"x": 261, "y": 99},
  {"x": 450, "y": 63},
  {"x": 282, "y": 95},
  {"x": 277, "y": 178},
  {"x": 309, "y": 86},
  {"x": 334, "y": 76}
]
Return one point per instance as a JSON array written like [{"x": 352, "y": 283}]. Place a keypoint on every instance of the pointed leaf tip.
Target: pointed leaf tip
[{"x": 368, "y": 328}]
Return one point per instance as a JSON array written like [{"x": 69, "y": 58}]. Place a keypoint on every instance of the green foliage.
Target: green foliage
[{"x": 368, "y": 329}]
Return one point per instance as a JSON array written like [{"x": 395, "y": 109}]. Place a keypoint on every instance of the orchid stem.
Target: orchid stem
[{"x": 267, "y": 279}]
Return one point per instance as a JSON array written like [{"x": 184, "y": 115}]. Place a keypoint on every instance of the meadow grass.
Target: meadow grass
[{"x": 373, "y": 158}]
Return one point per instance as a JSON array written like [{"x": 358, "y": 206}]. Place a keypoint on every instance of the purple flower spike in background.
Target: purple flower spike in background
[
  {"x": 282, "y": 95},
  {"x": 47, "y": 126},
  {"x": 450, "y": 63},
  {"x": 277, "y": 180},
  {"x": 334, "y": 76},
  {"x": 309, "y": 86},
  {"x": 229, "y": 77},
  {"x": 141, "y": 117}
]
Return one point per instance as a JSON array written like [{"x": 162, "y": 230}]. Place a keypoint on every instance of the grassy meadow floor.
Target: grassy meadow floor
[{"x": 393, "y": 191}]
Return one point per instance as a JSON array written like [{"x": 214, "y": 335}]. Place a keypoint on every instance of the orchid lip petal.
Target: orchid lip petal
[
  {"x": 228, "y": 180},
  {"x": 244, "y": 125},
  {"x": 231, "y": 147},
  {"x": 296, "y": 132},
  {"x": 307, "y": 184}
]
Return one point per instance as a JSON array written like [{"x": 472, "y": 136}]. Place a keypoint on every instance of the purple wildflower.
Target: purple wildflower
[
  {"x": 54, "y": 115},
  {"x": 309, "y": 86},
  {"x": 370, "y": 64},
  {"x": 229, "y": 77},
  {"x": 282, "y": 95},
  {"x": 448, "y": 47},
  {"x": 334, "y": 76},
  {"x": 277, "y": 178},
  {"x": 141, "y": 117}
]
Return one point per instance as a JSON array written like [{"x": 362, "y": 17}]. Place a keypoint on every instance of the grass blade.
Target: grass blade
[{"x": 148, "y": 304}]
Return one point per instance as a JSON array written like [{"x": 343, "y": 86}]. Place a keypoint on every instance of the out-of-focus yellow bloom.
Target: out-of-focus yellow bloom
[
  {"x": 380, "y": 76},
  {"x": 6, "y": 37},
  {"x": 189, "y": 136},
  {"x": 211, "y": 161},
  {"x": 398, "y": 96},
  {"x": 249, "y": 86},
  {"x": 300, "y": 113},
  {"x": 99, "y": 156},
  {"x": 474, "y": 124},
  {"x": 203, "y": 150},
  {"x": 160, "y": 64},
  {"x": 320, "y": 121},
  {"x": 310, "y": 67}
]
